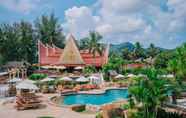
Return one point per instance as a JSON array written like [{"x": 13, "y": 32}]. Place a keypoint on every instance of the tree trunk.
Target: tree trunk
[{"x": 174, "y": 98}]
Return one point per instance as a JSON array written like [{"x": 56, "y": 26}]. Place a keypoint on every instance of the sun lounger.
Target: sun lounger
[{"x": 27, "y": 101}]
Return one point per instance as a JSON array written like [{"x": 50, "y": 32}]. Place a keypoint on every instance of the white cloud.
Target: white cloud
[
  {"x": 120, "y": 6},
  {"x": 130, "y": 20},
  {"x": 79, "y": 21},
  {"x": 24, "y": 6},
  {"x": 104, "y": 29}
]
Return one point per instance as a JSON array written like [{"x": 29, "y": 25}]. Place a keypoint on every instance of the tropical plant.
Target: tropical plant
[
  {"x": 173, "y": 66},
  {"x": 115, "y": 63},
  {"x": 93, "y": 43},
  {"x": 177, "y": 66},
  {"x": 126, "y": 54},
  {"x": 89, "y": 69},
  {"x": 152, "y": 51},
  {"x": 49, "y": 30},
  {"x": 162, "y": 59},
  {"x": 83, "y": 43},
  {"x": 99, "y": 115},
  {"x": 150, "y": 93},
  {"x": 138, "y": 51}
]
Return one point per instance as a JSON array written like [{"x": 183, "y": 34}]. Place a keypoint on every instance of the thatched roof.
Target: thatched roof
[{"x": 71, "y": 54}]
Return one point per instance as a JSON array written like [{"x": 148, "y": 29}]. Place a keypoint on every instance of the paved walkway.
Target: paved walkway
[{"x": 8, "y": 111}]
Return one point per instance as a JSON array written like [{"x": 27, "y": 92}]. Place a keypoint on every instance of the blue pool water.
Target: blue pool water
[{"x": 107, "y": 97}]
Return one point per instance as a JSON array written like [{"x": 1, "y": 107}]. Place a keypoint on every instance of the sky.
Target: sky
[{"x": 162, "y": 22}]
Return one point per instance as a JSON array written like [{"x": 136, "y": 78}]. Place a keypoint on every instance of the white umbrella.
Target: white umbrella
[
  {"x": 82, "y": 79},
  {"x": 131, "y": 75},
  {"x": 78, "y": 68},
  {"x": 47, "y": 67},
  {"x": 119, "y": 76},
  {"x": 59, "y": 67},
  {"x": 14, "y": 80},
  {"x": 26, "y": 85},
  {"x": 47, "y": 79},
  {"x": 66, "y": 79}
]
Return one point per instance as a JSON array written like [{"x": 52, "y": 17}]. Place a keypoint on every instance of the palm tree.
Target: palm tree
[
  {"x": 149, "y": 92},
  {"x": 177, "y": 66},
  {"x": 126, "y": 53},
  {"x": 152, "y": 51},
  {"x": 93, "y": 44},
  {"x": 138, "y": 51},
  {"x": 173, "y": 66},
  {"x": 49, "y": 30}
]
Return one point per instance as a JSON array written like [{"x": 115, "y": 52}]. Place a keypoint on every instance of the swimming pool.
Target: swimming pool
[{"x": 107, "y": 97}]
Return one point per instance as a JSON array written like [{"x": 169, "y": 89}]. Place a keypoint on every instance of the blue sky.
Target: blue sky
[{"x": 162, "y": 22}]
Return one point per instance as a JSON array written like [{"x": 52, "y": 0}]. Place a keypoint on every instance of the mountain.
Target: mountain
[{"x": 117, "y": 48}]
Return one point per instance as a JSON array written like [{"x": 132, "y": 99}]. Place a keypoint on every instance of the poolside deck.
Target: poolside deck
[{"x": 8, "y": 111}]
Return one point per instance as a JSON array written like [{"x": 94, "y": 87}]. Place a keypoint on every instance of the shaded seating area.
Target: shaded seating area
[
  {"x": 26, "y": 97},
  {"x": 67, "y": 85}
]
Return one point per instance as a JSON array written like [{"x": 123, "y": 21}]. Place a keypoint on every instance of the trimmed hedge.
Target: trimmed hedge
[
  {"x": 37, "y": 76},
  {"x": 79, "y": 108}
]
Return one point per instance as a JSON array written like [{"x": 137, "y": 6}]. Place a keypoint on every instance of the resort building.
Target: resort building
[{"x": 70, "y": 56}]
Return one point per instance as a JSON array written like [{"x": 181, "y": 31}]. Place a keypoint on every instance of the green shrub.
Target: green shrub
[
  {"x": 78, "y": 108},
  {"x": 37, "y": 76},
  {"x": 98, "y": 115},
  {"x": 125, "y": 106},
  {"x": 89, "y": 69}
]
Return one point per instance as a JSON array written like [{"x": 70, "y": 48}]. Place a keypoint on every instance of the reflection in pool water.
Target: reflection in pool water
[{"x": 107, "y": 97}]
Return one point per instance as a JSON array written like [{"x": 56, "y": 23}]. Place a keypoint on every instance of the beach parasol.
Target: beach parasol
[
  {"x": 66, "y": 79},
  {"x": 119, "y": 76},
  {"x": 60, "y": 67},
  {"x": 47, "y": 67},
  {"x": 47, "y": 79},
  {"x": 78, "y": 68},
  {"x": 82, "y": 79},
  {"x": 131, "y": 75}
]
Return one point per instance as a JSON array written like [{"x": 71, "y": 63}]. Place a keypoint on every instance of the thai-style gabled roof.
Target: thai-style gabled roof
[{"x": 71, "y": 54}]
